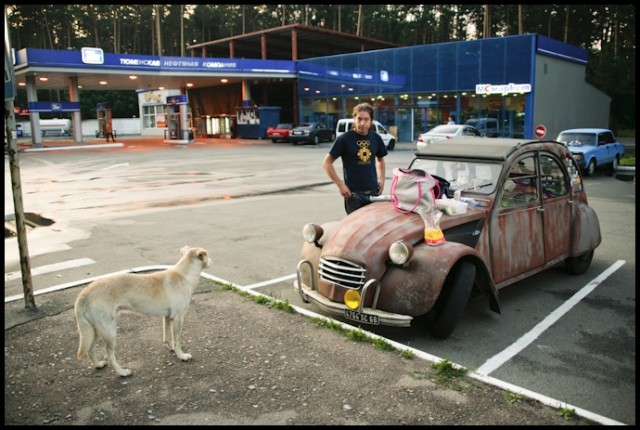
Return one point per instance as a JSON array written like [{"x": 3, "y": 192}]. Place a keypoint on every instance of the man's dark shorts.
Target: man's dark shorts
[{"x": 357, "y": 200}]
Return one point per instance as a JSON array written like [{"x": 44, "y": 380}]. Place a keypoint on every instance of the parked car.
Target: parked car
[
  {"x": 279, "y": 132},
  {"x": 389, "y": 139},
  {"x": 593, "y": 148},
  {"x": 441, "y": 132},
  {"x": 314, "y": 132},
  {"x": 526, "y": 211},
  {"x": 486, "y": 126}
]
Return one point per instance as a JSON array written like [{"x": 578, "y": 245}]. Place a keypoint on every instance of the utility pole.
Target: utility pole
[{"x": 12, "y": 150}]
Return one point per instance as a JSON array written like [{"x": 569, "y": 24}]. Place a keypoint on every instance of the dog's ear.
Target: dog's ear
[
  {"x": 184, "y": 250},
  {"x": 202, "y": 255}
]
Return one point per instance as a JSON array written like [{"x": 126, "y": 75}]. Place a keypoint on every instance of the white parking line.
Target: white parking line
[
  {"x": 499, "y": 359},
  {"x": 113, "y": 166},
  {"x": 50, "y": 268},
  {"x": 270, "y": 282}
]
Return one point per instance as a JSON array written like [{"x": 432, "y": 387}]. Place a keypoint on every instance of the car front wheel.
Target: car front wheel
[
  {"x": 453, "y": 299},
  {"x": 392, "y": 144},
  {"x": 578, "y": 265},
  {"x": 316, "y": 140},
  {"x": 591, "y": 167}
]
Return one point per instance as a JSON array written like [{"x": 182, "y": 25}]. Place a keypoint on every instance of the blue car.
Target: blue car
[{"x": 593, "y": 148}]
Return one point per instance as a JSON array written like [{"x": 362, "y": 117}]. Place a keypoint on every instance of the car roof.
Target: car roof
[
  {"x": 453, "y": 128},
  {"x": 351, "y": 120},
  {"x": 586, "y": 130},
  {"x": 477, "y": 147}
]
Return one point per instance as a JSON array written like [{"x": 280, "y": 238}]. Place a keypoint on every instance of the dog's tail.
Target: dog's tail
[{"x": 86, "y": 330}]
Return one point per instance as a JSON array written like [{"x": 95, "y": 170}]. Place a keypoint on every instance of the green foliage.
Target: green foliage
[
  {"x": 357, "y": 335},
  {"x": 628, "y": 160},
  {"x": 446, "y": 371},
  {"x": 405, "y": 353},
  {"x": 513, "y": 397},
  {"x": 607, "y": 31},
  {"x": 566, "y": 413}
]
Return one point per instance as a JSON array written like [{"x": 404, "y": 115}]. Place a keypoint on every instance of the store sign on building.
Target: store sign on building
[
  {"x": 503, "y": 89},
  {"x": 92, "y": 56}
]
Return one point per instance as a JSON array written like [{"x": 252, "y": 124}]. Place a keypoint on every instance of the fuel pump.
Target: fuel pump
[{"x": 178, "y": 130}]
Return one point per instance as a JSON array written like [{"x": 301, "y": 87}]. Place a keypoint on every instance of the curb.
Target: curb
[
  {"x": 626, "y": 173},
  {"x": 66, "y": 147}
]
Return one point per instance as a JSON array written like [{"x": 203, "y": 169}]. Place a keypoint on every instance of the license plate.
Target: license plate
[
  {"x": 276, "y": 134},
  {"x": 360, "y": 317}
]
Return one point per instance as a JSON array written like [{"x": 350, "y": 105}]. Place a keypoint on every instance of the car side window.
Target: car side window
[
  {"x": 574, "y": 174},
  {"x": 521, "y": 185},
  {"x": 604, "y": 138},
  {"x": 552, "y": 178}
]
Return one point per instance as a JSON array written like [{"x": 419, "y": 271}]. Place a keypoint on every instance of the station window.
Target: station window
[{"x": 149, "y": 115}]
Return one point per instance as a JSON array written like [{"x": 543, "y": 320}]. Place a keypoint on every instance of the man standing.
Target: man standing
[
  {"x": 362, "y": 151},
  {"x": 109, "y": 131}
]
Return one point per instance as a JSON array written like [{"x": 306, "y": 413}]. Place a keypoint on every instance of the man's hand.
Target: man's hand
[{"x": 344, "y": 190}]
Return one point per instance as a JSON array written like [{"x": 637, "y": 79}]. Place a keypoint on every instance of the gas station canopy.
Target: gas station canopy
[{"x": 261, "y": 54}]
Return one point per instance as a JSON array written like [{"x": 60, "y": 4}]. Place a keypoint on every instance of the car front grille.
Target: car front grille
[{"x": 342, "y": 272}]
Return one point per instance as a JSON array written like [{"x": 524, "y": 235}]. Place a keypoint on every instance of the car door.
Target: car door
[
  {"x": 606, "y": 148},
  {"x": 517, "y": 223},
  {"x": 556, "y": 206},
  {"x": 322, "y": 131}
]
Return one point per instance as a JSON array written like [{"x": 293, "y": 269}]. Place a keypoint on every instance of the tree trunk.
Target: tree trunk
[
  {"x": 566, "y": 23},
  {"x": 158, "y": 37},
  {"x": 182, "y": 30},
  {"x": 487, "y": 22},
  {"x": 520, "y": 29}
]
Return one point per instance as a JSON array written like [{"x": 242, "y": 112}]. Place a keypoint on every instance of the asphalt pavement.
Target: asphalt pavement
[{"x": 51, "y": 306}]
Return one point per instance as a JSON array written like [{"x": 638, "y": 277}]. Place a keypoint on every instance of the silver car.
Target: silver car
[{"x": 441, "y": 132}]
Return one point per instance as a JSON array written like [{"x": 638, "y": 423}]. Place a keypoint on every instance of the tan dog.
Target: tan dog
[{"x": 166, "y": 293}]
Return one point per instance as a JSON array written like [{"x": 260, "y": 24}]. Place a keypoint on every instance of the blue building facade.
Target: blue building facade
[
  {"x": 415, "y": 88},
  {"x": 524, "y": 84}
]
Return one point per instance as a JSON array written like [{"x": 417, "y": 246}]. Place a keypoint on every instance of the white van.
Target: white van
[
  {"x": 388, "y": 139},
  {"x": 486, "y": 126}
]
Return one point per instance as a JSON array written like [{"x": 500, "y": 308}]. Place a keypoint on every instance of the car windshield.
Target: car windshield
[
  {"x": 283, "y": 126},
  {"x": 577, "y": 138},
  {"x": 469, "y": 176}
]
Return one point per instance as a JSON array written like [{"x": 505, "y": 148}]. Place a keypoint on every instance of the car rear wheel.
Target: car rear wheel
[
  {"x": 392, "y": 144},
  {"x": 591, "y": 168},
  {"x": 453, "y": 300},
  {"x": 316, "y": 140},
  {"x": 578, "y": 265}
]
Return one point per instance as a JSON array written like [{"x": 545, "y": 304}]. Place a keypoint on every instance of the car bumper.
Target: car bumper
[
  {"x": 298, "y": 139},
  {"x": 310, "y": 294}
]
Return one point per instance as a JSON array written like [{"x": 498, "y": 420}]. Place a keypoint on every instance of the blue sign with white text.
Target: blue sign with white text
[{"x": 54, "y": 106}]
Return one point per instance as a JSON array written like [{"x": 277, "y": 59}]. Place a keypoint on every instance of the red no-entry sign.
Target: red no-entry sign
[{"x": 541, "y": 130}]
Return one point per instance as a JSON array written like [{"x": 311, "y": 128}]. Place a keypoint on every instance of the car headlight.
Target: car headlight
[
  {"x": 352, "y": 299},
  {"x": 312, "y": 233},
  {"x": 578, "y": 155},
  {"x": 400, "y": 252}
]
